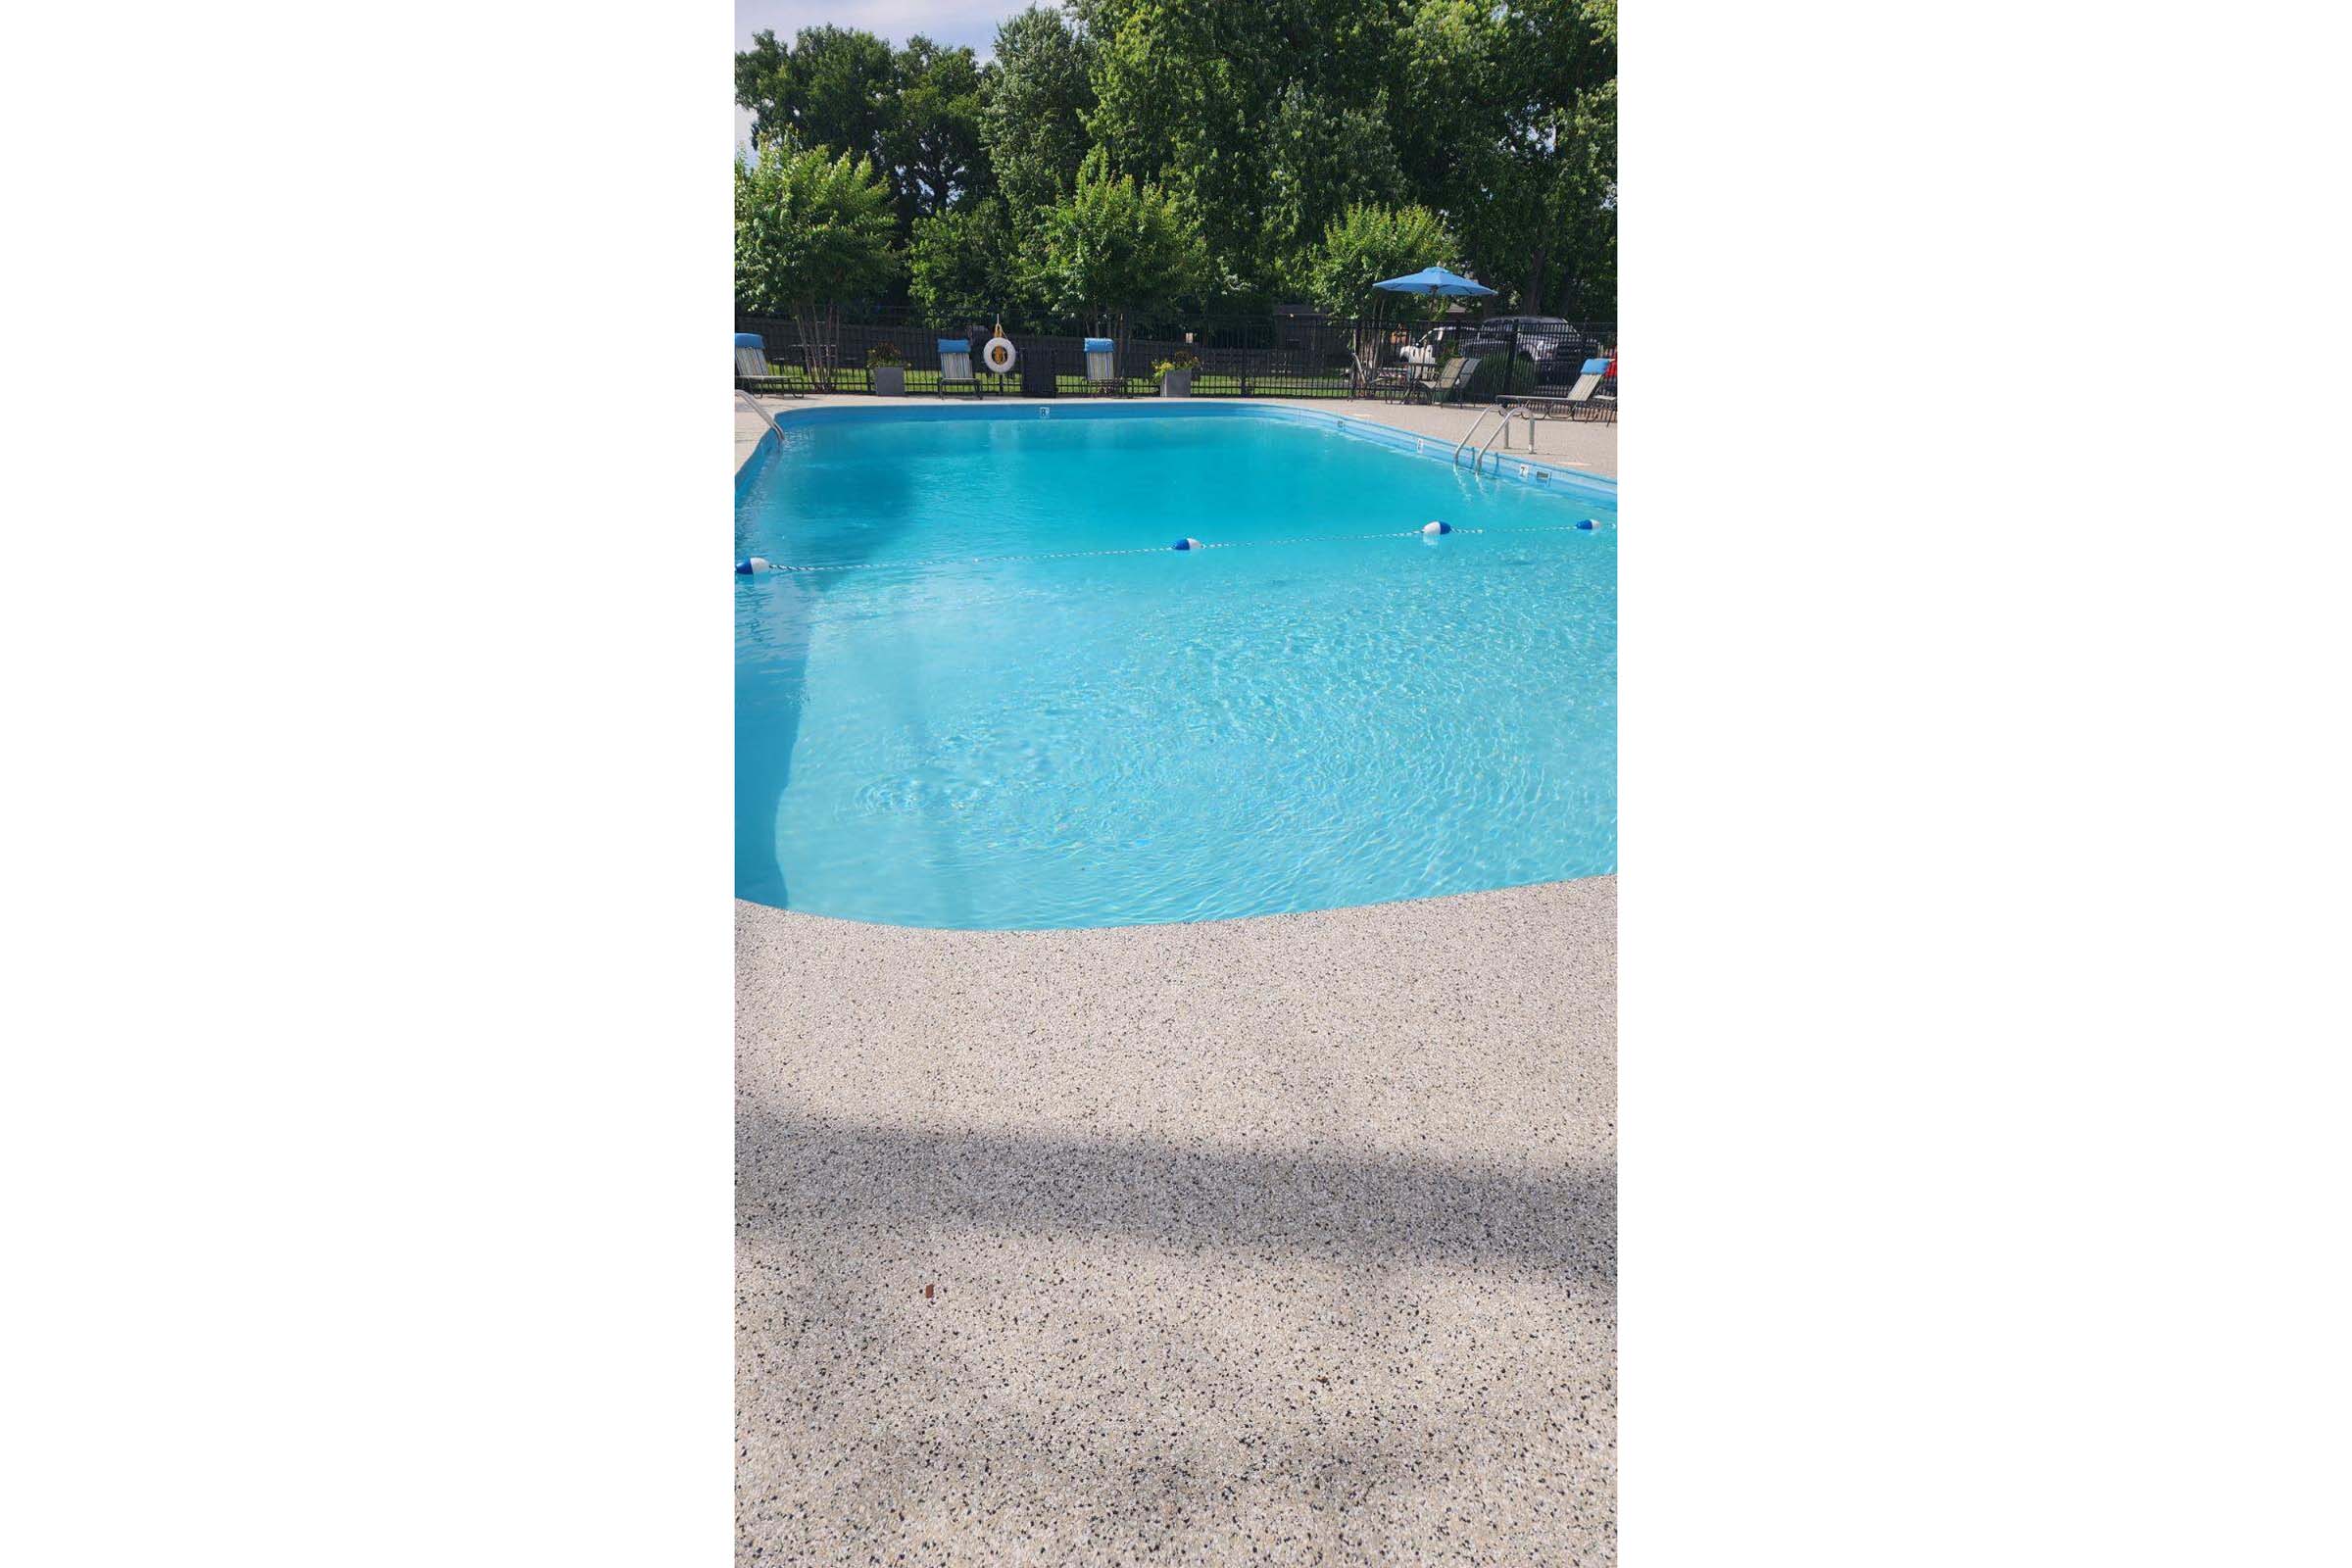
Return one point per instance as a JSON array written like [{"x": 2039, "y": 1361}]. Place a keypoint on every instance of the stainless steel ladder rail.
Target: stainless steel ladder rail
[
  {"x": 766, "y": 417},
  {"x": 1502, "y": 430},
  {"x": 1473, "y": 435}
]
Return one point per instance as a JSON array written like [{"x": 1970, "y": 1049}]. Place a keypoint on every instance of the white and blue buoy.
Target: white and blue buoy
[
  {"x": 744, "y": 568},
  {"x": 1589, "y": 523},
  {"x": 1186, "y": 544},
  {"x": 1437, "y": 528}
]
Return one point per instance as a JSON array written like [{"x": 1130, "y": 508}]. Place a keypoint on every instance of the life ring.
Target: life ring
[{"x": 998, "y": 355}]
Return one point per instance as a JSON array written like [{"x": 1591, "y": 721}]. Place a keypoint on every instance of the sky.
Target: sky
[{"x": 948, "y": 22}]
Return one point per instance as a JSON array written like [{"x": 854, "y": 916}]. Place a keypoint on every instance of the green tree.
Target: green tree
[
  {"x": 1034, "y": 125},
  {"x": 1113, "y": 245},
  {"x": 1557, "y": 205},
  {"x": 1259, "y": 122},
  {"x": 763, "y": 85},
  {"x": 1183, "y": 91},
  {"x": 1368, "y": 243},
  {"x": 811, "y": 230},
  {"x": 834, "y": 87},
  {"x": 965, "y": 265},
  {"x": 932, "y": 135},
  {"x": 1323, "y": 158}
]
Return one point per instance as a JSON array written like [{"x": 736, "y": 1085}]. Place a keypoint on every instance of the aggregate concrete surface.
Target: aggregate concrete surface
[{"x": 1286, "y": 1239}]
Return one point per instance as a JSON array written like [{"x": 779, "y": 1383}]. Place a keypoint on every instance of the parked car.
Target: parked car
[{"x": 1541, "y": 340}]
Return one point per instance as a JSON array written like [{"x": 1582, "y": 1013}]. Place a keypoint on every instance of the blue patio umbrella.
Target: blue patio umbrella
[{"x": 1435, "y": 282}]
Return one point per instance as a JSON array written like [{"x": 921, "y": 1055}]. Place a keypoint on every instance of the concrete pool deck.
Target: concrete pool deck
[{"x": 1285, "y": 1239}]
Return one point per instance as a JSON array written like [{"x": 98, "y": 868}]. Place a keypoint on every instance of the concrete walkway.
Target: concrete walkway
[
  {"x": 1275, "y": 1240},
  {"x": 1284, "y": 1240}
]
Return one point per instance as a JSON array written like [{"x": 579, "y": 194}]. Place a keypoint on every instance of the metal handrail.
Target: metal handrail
[
  {"x": 1503, "y": 429},
  {"x": 1472, "y": 436},
  {"x": 768, "y": 419}
]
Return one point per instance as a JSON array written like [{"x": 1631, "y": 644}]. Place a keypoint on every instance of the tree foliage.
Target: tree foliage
[
  {"x": 915, "y": 112},
  {"x": 812, "y": 227},
  {"x": 1113, "y": 245},
  {"x": 1034, "y": 126},
  {"x": 931, "y": 135},
  {"x": 1258, "y": 126},
  {"x": 965, "y": 265},
  {"x": 1366, "y": 244},
  {"x": 832, "y": 88}
]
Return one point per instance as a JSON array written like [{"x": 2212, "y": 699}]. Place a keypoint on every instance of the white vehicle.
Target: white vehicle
[{"x": 1426, "y": 349}]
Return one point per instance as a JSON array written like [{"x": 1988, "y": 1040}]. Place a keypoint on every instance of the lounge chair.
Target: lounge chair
[
  {"x": 955, "y": 365},
  {"x": 1451, "y": 383},
  {"x": 1586, "y": 379},
  {"x": 1582, "y": 400},
  {"x": 1102, "y": 368},
  {"x": 1578, "y": 401},
  {"x": 753, "y": 372}
]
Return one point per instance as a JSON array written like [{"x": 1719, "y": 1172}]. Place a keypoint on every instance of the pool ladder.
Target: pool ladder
[
  {"x": 766, "y": 417},
  {"x": 1501, "y": 430}
]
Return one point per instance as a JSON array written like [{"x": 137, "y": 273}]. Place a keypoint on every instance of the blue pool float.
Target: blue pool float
[{"x": 1186, "y": 544}]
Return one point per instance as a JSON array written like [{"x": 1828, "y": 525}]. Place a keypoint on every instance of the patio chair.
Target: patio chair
[
  {"x": 1102, "y": 368},
  {"x": 1579, "y": 400},
  {"x": 1452, "y": 384},
  {"x": 753, "y": 372},
  {"x": 955, "y": 365}
]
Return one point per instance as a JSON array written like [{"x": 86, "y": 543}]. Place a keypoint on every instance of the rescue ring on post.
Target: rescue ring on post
[{"x": 998, "y": 355}]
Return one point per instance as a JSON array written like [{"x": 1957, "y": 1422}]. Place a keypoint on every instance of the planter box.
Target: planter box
[
  {"x": 1176, "y": 384},
  {"x": 890, "y": 380}
]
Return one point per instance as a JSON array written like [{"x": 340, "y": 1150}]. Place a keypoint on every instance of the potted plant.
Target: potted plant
[
  {"x": 889, "y": 369},
  {"x": 1176, "y": 372}
]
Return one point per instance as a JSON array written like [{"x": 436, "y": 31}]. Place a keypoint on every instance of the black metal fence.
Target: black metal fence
[{"x": 1283, "y": 357}]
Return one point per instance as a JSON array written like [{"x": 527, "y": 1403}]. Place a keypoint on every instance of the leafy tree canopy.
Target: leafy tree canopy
[
  {"x": 812, "y": 227},
  {"x": 1113, "y": 245},
  {"x": 931, "y": 136},
  {"x": 1258, "y": 126},
  {"x": 1368, "y": 243},
  {"x": 965, "y": 265},
  {"x": 1034, "y": 126},
  {"x": 832, "y": 88}
]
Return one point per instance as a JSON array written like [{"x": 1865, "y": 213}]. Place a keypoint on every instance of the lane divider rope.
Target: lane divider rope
[{"x": 1161, "y": 550}]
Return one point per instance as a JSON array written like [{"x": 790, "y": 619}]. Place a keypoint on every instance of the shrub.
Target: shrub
[
  {"x": 882, "y": 355},
  {"x": 1177, "y": 360},
  {"x": 1498, "y": 375}
]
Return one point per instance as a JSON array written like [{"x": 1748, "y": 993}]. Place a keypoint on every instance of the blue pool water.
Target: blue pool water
[{"x": 1007, "y": 703}]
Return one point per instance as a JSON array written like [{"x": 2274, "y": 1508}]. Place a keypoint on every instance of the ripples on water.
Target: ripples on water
[{"x": 926, "y": 739}]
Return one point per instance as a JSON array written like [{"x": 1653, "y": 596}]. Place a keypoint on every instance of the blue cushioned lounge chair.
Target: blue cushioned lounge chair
[
  {"x": 753, "y": 372},
  {"x": 1102, "y": 369},
  {"x": 955, "y": 365}
]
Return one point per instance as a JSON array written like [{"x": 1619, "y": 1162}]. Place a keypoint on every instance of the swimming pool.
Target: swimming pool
[{"x": 983, "y": 692}]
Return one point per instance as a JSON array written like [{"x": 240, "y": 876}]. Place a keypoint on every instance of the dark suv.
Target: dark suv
[{"x": 1541, "y": 339}]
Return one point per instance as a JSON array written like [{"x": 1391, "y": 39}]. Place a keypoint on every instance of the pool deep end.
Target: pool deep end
[{"x": 980, "y": 690}]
